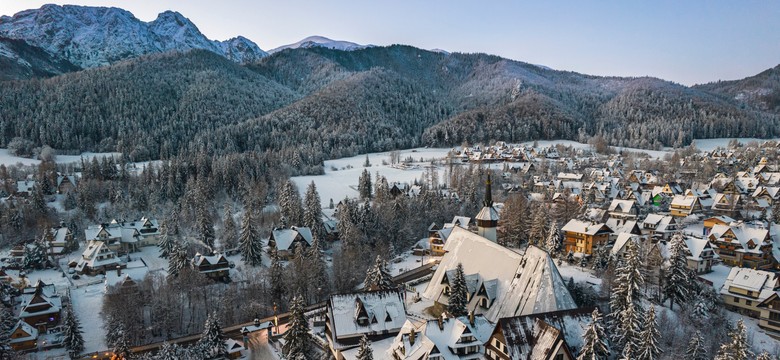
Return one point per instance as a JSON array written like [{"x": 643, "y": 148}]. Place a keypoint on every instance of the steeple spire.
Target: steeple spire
[{"x": 488, "y": 192}]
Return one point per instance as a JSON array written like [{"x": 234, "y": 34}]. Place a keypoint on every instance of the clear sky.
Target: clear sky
[{"x": 684, "y": 41}]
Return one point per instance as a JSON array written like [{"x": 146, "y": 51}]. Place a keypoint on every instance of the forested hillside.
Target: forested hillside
[{"x": 315, "y": 103}]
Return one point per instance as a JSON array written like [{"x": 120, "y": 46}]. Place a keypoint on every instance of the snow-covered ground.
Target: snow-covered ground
[
  {"x": 87, "y": 303},
  {"x": 8, "y": 159},
  {"x": 712, "y": 144},
  {"x": 580, "y": 274},
  {"x": 718, "y": 276},
  {"x": 341, "y": 175}
]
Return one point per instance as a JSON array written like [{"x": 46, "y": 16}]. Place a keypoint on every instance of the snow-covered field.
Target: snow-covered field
[
  {"x": 8, "y": 159},
  {"x": 341, "y": 175}
]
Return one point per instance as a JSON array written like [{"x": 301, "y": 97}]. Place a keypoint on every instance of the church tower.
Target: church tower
[{"x": 487, "y": 219}]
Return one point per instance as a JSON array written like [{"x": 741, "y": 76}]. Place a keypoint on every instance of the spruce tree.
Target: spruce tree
[
  {"x": 7, "y": 324},
  {"x": 696, "y": 349},
  {"x": 595, "y": 340},
  {"x": 364, "y": 185},
  {"x": 178, "y": 260},
  {"x": 312, "y": 212},
  {"x": 764, "y": 356},
  {"x": 74, "y": 341},
  {"x": 601, "y": 259},
  {"x": 364, "y": 349},
  {"x": 737, "y": 347},
  {"x": 319, "y": 270},
  {"x": 249, "y": 241},
  {"x": 212, "y": 342},
  {"x": 538, "y": 231},
  {"x": 676, "y": 287},
  {"x": 34, "y": 255},
  {"x": 553, "y": 241},
  {"x": 648, "y": 339},
  {"x": 116, "y": 338},
  {"x": 378, "y": 277},
  {"x": 205, "y": 226},
  {"x": 624, "y": 300},
  {"x": 457, "y": 304},
  {"x": 277, "y": 278},
  {"x": 229, "y": 230},
  {"x": 290, "y": 204},
  {"x": 169, "y": 229},
  {"x": 297, "y": 339}
]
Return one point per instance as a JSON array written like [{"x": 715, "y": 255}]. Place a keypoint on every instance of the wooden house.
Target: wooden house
[
  {"x": 23, "y": 337},
  {"x": 286, "y": 240},
  {"x": 443, "y": 338},
  {"x": 584, "y": 236},
  {"x": 215, "y": 267},
  {"x": 743, "y": 245},
  {"x": 745, "y": 289},
  {"x": 682, "y": 206},
  {"x": 769, "y": 315},
  {"x": 41, "y": 306}
]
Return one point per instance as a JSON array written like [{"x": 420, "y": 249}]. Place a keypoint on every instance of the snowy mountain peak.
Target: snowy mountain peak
[
  {"x": 321, "y": 41},
  {"x": 96, "y": 36}
]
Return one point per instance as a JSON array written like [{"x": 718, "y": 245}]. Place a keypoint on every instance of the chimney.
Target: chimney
[
  {"x": 471, "y": 318},
  {"x": 412, "y": 337},
  {"x": 441, "y": 323},
  {"x": 118, "y": 271},
  {"x": 257, "y": 322}
]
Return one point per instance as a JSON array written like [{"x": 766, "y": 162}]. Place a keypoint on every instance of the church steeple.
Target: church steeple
[{"x": 488, "y": 193}]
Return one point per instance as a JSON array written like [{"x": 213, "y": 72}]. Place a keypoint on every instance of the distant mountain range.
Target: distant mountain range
[{"x": 169, "y": 89}]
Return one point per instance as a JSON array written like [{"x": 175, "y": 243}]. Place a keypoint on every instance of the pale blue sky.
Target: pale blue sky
[{"x": 684, "y": 41}]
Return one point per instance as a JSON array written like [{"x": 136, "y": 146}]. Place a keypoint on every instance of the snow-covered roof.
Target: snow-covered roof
[
  {"x": 621, "y": 241},
  {"x": 533, "y": 336},
  {"x": 32, "y": 333},
  {"x": 525, "y": 284},
  {"x": 385, "y": 310},
  {"x": 621, "y": 226},
  {"x": 97, "y": 254},
  {"x": 43, "y": 300},
  {"x": 445, "y": 339},
  {"x": 285, "y": 237},
  {"x": 621, "y": 206},
  {"x": 488, "y": 213},
  {"x": 697, "y": 247},
  {"x": 744, "y": 234},
  {"x": 758, "y": 281},
  {"x": 584, "y": 227},
  {"x": 683, "y": 200}
]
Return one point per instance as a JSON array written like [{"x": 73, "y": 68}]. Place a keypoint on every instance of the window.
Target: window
[
  {"x": 736, "y": 300},
  {"x": 559, "y": 357},
  {"x": 748, "y": 303}
]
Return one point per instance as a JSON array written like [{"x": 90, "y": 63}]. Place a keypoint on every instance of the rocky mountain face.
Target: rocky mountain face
[
  {"x": 321, "y": 41},
  {"x": 97, "y": 36},
  {"x": 20, "y": 60}
]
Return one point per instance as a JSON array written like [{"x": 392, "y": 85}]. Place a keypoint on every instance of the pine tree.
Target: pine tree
[
  {"x": 458, "y": 293},
  {"x": 553, "y": 241},
  {"x": 364, "y": 349},
  {"x": 34, "y": 255},
  {"x": 178, "y": 260},
  {"x": 297, "y": 339},
  {"x": 536, "y": 234},
  {"x": 169, "y": 229},
  {"x": 378, "y": 277},
  {"x": 74, "y": 341},
  {"x": 116, "y": 338},
  {"x": 513, "y": 220},
  {"x": 676, "y": 287},
  {"x": 249, "y": 241},
  {"x": 628, "y": 352},
  {"x": 624, "y": 300},
  {"x": 229, "y": 230},
  {"x": 312, "y": 212},
  {"x": 169, "y": 351},
  {"x": 319, "y": 270},
  {"x": 737, "y": 347},
  {"x": 212, "y": 342},
  {"x": 648, "y": 339},
  {"x": 696, "y": 349},
  {"x": 595, "y": 340},
  {"x": 205, "y": 226},
  {"x": 764, "y": 356},
  {"x": 601, "y": 260},
  {"x": 290, "y": 204}
]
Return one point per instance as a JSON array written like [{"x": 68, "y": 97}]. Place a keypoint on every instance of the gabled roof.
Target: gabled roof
[
  {"x": 23, "y": 328},
  {"x": 386, "y": 307},
  {"x": 744, "y": 234},
  {"x": 758, "y": 281},
  {"x": 621, "y": 206},
  {"x": 697, "y": 246},
  {"x": 533, "y": 336},
  {"x": 284, "y": 237},
  {"x": 525, "y": 284},
  {"x": 585, "y": 227}
]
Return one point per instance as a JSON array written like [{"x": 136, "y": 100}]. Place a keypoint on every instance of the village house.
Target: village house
[
  {"x": 57, "y": 239},
  {"x": 699, "y": 255},
  {"x": 745, "y": 289},
  {"x": 710, "y": 222},
  {"x": 555, "y": 335},
  {"x": 443, "y": 338},
  {"x": 65, "y": 183},
  {"x": 623, "y": 209},
  {"x": 98, "y": 258},
  {"x": 124, "y": 237},
  {"x": 659, "y": 226},
  {"x": 769, "y": 315},
  {"x": 438, "y": 237},
  {"x": 500, "y": 282},
  {"x": 727, "y": 204},
  {"x": 584, "y": 236},
  {"x": 743, "y": 245},
  {"x": 683, "y": 206},
  {"x": 23, "y": 337},
  {"x": 41, "y": 306},
  {"x": 286, "y": 240},
  {"x": 377, "y": 314},
  {"x": 215, "y": 267},
  {"x": 25, "y": 188}
]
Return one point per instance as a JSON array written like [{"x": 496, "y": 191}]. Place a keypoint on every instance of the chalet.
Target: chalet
[
  {"x": 376, "y": 314},
  {"x": 98, "y": 258},
  {"x": 623, "y": 209},
  {"x": 740, "y": 244},
  {"x": 583, "y": 236},
  {"x": 745, "y": 289},
  {"x": 682, "y": 206},
  {"x": 286, "y": 240},
  {"x": 699, "y": 255},
  {"x": 659, "y": 226},
  {"x": 57, "y": 239},
  {"x": 23, "y": 337},
  {"x": 234, "y": 348},
  {"x": 397, "y": 188},
  {"x": 619, "y": 226},
  {"x": 555, "y": 335},
  {"x": 618, "y": 249},
  {"x": 767, "y": 193},
  {"x": 727, "y": 204},
  {"x": 769, "y": 315},
  {"x": 65, "y": 183},
  {"x": 500, "y": 282},
  {"x": 671, "y": 189},
  {"x": 215, "y": 267},
  {"x": 124, "y": 237},
  {"x": 443, "y": 338},
  {"x": 41, "y": 306}
]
